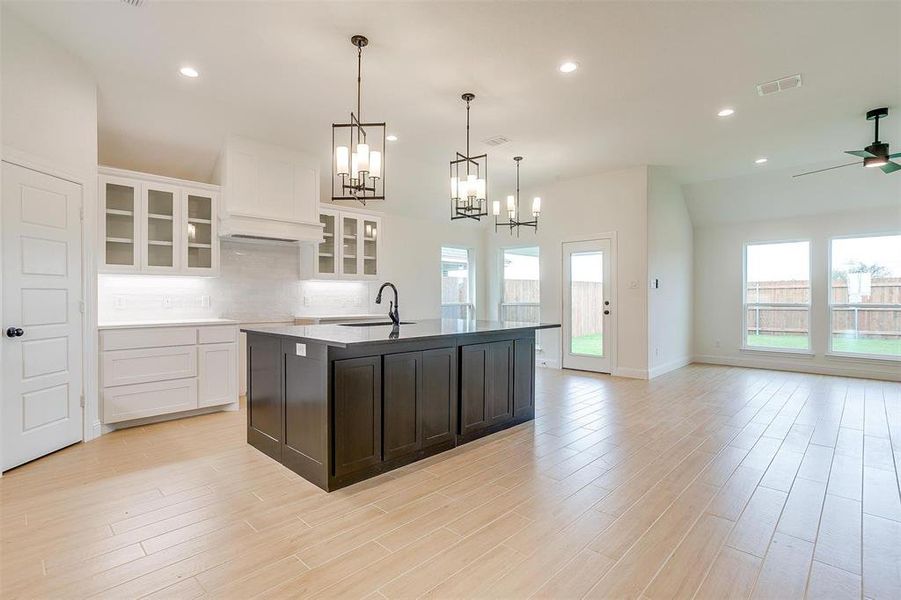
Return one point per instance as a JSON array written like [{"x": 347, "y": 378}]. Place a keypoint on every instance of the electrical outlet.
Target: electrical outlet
[
  {"x": 306, "y": 300},
  {"x": 204, "y": 301},
  {"x": 167, "y": 302},
  {"x": 119, "y": 302}
]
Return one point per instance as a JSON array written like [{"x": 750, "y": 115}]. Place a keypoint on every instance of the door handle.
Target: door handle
[{"x": 14, "y": 332}]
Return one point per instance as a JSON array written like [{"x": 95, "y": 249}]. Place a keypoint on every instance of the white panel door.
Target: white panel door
[
  {"x": 42, "y": 331},
  {"x": 587, "y": 306}
]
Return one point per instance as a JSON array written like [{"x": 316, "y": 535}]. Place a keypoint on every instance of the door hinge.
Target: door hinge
[{"x": 81, "y": 400}]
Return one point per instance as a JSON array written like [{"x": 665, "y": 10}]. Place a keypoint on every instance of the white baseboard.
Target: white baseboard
[
  {"x": 170, "y": 417},
  {"x": 783, "y": 364},
  {"x": 670, "y": 366},
  {"x": 630, "y": 373}
]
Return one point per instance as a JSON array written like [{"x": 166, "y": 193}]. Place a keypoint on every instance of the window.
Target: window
[
  {"x": 777, "y": 296},
  {"x": 457, "y": 284},
  {"x": 520, "y": 293},
  {"x": 865, "y": 296}
]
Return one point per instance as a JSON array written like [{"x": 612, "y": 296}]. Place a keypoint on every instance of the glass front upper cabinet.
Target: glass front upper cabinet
[
  {"x": 161, "y": 225},
  {"x": 120, "y": 223},
  {"x": 154, "y": 226},
  {"x": 351, "y": 234},
  {"x": 370, "y": 247},
  {"x": 200, "y": 231},
  {"x": 327, "y": 256}
]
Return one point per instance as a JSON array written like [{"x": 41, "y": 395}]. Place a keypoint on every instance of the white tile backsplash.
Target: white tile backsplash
[{"x": 257, "y": 283}]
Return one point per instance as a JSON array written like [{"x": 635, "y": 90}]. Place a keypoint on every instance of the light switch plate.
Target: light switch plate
[{"x": 300, "y": 349}]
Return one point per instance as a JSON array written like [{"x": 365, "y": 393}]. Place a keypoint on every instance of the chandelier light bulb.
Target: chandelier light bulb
[
  {"x": 471, "y": 186},
  {"x": 342, "y": 160},
  {"x": 375, "y": 164},
  {"x": 495, "y": 207},
  {"x": 536, "y": 206},
  {"x": 363, "y": 157},
  {"x": 455, "y": 188}
]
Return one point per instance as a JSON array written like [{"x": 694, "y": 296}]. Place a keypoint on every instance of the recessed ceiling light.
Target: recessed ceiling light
[
  {"x": 726, "y": 112},
  {"x": 761, "y": 160},
  {"x": 189, "y": 72},
  {"x": 568, "y": 67},
  {"x": 391, "y": 138}
]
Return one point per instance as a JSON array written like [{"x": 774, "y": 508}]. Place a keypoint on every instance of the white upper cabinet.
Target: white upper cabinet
[
  {"x": 154, "y": 224},
  {"x": 269, "y": 192},
  {"x": 350, "y": 246}
]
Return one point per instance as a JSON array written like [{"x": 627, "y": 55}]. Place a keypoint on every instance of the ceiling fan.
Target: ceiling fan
[{"x": 874, "y": 155}]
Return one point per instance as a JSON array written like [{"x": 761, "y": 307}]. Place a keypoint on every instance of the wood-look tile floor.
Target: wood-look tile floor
[{"x": 708, "y": 482}]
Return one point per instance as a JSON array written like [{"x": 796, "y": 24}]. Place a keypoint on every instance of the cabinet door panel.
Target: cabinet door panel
[
  {"x": 218, "y": 371},
  {"x": 473, "y": 387},
  {"x": 439, "y": 395},
  {"x": 264, "y": 391},
  {"x": 120, "y": 223},
  {"x": 403, "y": 391},
  {"x": 499, "y": 400},
  {"x": 358, "y": 418},
  {"x": 523, "y": 378}
]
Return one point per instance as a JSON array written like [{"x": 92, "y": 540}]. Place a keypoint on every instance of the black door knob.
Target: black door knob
[
  {"x": 15, "y": 332},
  {"x": 606, "y": 312}
]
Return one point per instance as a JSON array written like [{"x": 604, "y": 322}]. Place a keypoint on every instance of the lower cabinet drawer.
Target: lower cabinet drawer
[
  {"x": 217, "y": 334},
  {"x": 124, "y": 367},
  {"x": 126, "y": 402}
]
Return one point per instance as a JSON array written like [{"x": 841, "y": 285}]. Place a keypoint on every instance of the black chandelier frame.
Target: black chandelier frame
[{"x": 364, "y": 188}]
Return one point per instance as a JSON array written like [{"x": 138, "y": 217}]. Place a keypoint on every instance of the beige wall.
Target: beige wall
[
  {"x": 670, "y": 248},
  {"x": 578, "y": 209},
  {"x": 775, "y": 207},
  {"x": 48, "y": 120}
]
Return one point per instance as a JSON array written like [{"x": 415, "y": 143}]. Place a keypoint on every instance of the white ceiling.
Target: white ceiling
[{"x": 652, "y": 77}]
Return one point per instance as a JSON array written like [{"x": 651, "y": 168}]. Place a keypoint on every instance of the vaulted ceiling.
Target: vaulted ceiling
[{"x": 652, "y": 77}]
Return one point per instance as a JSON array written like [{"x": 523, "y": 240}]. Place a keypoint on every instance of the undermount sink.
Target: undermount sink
[{"x": 375, "y": 324}]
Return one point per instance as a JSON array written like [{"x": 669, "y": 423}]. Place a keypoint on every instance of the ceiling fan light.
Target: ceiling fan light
[{"x": 874, "y": 161}]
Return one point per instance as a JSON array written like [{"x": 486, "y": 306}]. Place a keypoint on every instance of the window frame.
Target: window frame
[
  {"x": 471, "y": 266},
  {"x": 830, "y": 305},
  {"x": 501, "y": 279},
  {"x": 743, "y": 345}
]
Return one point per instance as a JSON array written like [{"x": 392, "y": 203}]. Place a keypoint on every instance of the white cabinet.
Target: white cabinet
[
  {"x": 154, "y": 224},
  {"x": 150, "y": 371},
  {"x": 269, "y": 192},
  {"x": 218, "y": 377},
  {"x": 351, "y": 245}
]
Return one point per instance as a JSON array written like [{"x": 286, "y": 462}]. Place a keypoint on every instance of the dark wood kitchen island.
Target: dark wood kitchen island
[{"x": 341, "y": 403}]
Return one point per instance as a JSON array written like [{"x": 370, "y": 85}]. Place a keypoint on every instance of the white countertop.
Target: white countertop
[
  {"x": 166, "y": 323},
  {"x": 341, "y": 317}
]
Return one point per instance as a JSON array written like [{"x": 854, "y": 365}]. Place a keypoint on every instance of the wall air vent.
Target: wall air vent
[
  {"x": 135, "y": 3},
  {"x": 779, "y": 85},
  {"x": 496, "y": 140}
]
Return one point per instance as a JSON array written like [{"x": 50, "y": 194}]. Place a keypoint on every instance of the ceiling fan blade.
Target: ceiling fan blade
[
  {"x": 896, "y": 155},
  {"x": 826, "y": 169},
  {"x": 890, "y": 167},
  {"x": 860, "y": 153}
]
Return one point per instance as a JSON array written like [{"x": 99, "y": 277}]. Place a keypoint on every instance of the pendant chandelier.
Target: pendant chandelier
[
  {"x": 469, "y": 180},
  {"x": 358, "y": 150},
  {"x": 512, "y": 209}
]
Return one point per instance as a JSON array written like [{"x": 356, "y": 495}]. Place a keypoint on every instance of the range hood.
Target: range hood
[{"x": 269, "y": 193}]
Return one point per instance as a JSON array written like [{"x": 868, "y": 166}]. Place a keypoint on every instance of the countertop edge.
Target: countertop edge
[{"x": 339, "y": 344}]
